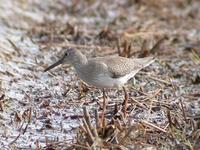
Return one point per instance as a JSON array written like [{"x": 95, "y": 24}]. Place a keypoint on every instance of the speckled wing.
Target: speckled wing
[{"x": 120, "y": 66}]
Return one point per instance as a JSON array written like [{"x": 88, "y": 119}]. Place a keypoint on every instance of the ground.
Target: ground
[{"x": 55, "y": 110}]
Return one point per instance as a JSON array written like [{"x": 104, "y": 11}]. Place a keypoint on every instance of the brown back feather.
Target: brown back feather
[{"x": 120, "y": 66}]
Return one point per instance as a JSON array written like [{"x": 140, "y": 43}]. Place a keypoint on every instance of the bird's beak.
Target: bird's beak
[{"x": 55, "y": 64}]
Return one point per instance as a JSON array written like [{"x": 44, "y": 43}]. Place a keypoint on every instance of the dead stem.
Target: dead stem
[
  {"x": 85, "y": 125},
  {"x": 81, "y": 146},
  {"x": 183, "y": 111},
  {"x": 18, "y": 50},
  {"x": 15, "y": 139},
  {"x": 157, "y": 45},
  {"x": 154, "y": 126}
]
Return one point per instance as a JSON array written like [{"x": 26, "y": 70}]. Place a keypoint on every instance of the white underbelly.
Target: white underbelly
[{"x": 103, "y": 81}]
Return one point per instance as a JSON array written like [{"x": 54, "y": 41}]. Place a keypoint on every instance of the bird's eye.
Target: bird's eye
[{"x": 66, "y": 54}]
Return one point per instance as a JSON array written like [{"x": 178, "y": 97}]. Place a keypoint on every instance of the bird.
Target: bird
[{"x": 103, "y": 72}]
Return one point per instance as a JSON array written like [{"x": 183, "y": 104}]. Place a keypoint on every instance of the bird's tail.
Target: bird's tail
[
  {"x": 146, "y": 61},
  {"x": 142, "y": 63}
]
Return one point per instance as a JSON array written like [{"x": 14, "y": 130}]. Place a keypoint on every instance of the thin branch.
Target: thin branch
[{"x": 154, "y": 126}]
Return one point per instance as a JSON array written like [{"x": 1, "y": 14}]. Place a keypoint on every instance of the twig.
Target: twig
[
  {"x": 30, "y": 115},
  {"x": 81, "y": 146},
  {"x": 166, "y": 126},
  {"x": 159, "y": 80},
  {"x": 88, "y": 130},
  {"x": 118, "y": 47},
  {"x": 143, "y": 51},
  {"x": 169, "y": 118},
  {"x": 158, "y": 43},
  {"x": 25, "y": 128},
  {"x": 15, "y": 139},
  {"x": 129, "y": 50},
  {"x": 88, "y": 121},
  {"x": 88, "y": 145},
  {"x": 87, "y": 117},
  {"x": 154, "y": 126},
  {"x": 15, "y": 47},
  {"x": 2, "y": 96},
  {"x": 139, "y": 91},
  {"x": 29, "y": 120},
  {"x": 140, "y": 104},
  {"x": 97, "y": 118},
  {"x": 154, "y": 78},
  {"x": 144, "y": 46},
  {"x": 183, "y": 110},
  {"x": 125, "y": 51},
  {"x": 83, "y": 128}
]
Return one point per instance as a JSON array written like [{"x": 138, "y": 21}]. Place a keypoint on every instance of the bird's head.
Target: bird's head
[{"x": 70, "y": 56}]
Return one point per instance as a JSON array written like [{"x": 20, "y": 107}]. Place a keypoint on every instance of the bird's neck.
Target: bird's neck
[{"x": 80, "y": 61}]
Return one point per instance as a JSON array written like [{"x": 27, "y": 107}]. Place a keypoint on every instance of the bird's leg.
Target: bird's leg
[
  {"x": 104, "y": 108},
  {"x": 116, "y": 103},
  {"x": 125, "y": 103}
]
